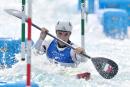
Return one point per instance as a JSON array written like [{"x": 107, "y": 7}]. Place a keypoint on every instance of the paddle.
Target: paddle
[{"x": 107, "y": 68}]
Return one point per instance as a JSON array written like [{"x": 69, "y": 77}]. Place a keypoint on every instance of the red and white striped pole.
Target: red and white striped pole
[{"x": 29, "y": 44}]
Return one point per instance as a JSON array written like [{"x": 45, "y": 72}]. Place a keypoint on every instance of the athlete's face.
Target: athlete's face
[{"x": 64, "y": 35}]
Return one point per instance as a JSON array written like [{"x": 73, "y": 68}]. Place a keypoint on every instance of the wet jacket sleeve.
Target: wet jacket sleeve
[{"x": 41, "y": 46}]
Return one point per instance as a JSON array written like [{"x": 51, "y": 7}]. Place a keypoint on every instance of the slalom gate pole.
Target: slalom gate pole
[
  {"x": 29, "y": 20},
  {"x": 23, "y": 31},
  {"x": 82, "y": 23}
]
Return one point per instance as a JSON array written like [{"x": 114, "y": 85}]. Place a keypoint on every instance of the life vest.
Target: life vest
[{"x": 60, "y": 56}]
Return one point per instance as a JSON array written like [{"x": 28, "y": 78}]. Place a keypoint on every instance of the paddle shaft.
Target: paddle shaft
[{"x": 19, "y": 15}]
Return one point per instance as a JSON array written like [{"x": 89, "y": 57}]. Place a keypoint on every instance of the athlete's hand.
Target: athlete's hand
[
  {"x": 43, "y": 33},
  {"x": 79, "y": 50}
]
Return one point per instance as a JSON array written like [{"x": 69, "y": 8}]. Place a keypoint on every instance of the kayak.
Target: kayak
[
  {"x": 84, "y": 75},
  {"x": 76, "y": 73}
]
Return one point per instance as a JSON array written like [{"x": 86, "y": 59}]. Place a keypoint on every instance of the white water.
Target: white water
[{"x": 46, "y": 13}]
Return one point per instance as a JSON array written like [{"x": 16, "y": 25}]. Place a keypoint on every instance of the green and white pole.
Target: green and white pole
[
  {"x": 29, "y": 42},
  {"x": 82, "y": 23},
  {"x": 23, "y": 32}
]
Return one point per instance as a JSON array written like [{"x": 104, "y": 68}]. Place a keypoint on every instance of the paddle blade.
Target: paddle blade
[
  {"x": 106, "y": 67},
  {"x": 16, "y": 13}
]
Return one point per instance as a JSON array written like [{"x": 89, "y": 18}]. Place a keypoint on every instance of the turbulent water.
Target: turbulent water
[{"x": 46, "y": 13}]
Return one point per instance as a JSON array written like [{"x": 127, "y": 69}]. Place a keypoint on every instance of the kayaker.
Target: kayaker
[{"x": 58, "y": 52}]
